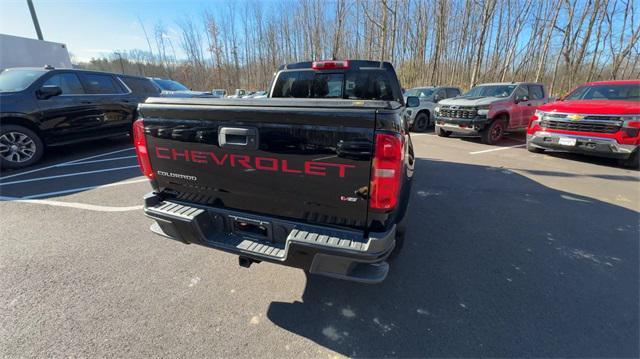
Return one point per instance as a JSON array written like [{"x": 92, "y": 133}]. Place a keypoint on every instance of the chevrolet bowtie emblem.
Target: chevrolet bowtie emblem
[{"x": 575, "y": 117}]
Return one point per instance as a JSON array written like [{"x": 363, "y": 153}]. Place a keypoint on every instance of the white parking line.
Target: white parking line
[
  {"x": 95, "y": 161},
  {"x": 66, "y": 175},
  {"x": 89, "y": 207},
  {"x": 79, "y": 189},
  {"x": 64, "y": 163},
  {"x": 496, "y": 149}
]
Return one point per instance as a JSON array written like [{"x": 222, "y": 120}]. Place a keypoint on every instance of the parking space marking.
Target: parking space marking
[
  {"x": 79, "y": 189},
  {"x": 65, "y": 163},
  {"x": 95, "y": 161},
  {"x": 68, "y": 175},
  {"x": 496, "y": 149},
  {"x": 89, "y": 207}
]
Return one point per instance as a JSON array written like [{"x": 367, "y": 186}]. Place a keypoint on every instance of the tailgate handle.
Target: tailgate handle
[{"x": 238, "y": 137}]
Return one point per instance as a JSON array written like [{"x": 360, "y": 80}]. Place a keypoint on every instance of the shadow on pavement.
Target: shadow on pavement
[{"x": 495, "y": 264}]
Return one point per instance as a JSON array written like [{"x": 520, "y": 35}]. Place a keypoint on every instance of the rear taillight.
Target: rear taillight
[
  {"x": 140, "y": 143},
  {"x": 386, "y": 171},
  {"x": 330, "y": 65}
]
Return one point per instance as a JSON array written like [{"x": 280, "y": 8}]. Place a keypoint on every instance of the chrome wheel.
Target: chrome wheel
[{"x": 17, "y": 147}]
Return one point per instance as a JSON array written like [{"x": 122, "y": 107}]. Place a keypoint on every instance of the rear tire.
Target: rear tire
[
  {"x": 421, "y": 122},
  {"x": 534, "y": 149},
  {"x": 400, "y": 235},
  {"x": 19, "y": 147},
  {"x": 632, "y": 162},
  {"x": 494, "y": 132},
  {"x": 442, "y": 133}
]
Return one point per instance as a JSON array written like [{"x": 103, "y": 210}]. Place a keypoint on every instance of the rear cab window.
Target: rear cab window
[{"x": 367, "y": 84}]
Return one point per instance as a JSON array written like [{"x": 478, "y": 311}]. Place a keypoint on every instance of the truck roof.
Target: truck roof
[
  {"x": 509, "y": 83},
  {"x": 615, "y": 82}
]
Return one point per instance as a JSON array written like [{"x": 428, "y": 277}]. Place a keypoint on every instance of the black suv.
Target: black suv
[{"x": 41, "y": 107}]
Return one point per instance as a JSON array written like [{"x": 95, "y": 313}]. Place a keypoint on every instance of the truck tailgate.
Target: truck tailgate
[{"x": 304, "y": 163}]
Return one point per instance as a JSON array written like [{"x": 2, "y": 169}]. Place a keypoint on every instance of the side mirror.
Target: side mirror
[
  {"x": 413, "y": 101},
  {"x": 48, "y": 91},
  {"x": 437, "y": 98}
]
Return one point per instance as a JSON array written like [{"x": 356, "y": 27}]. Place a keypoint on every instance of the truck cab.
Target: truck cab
[
  {"x": 490, "y": 110},
  {"x": 598, "y": 119}
]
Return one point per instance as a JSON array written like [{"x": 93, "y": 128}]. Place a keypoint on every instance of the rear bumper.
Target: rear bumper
[
  {"x": 596, "y": 146},
  {"x": 320, "y": 250},
  {"x": 471, "y": 126}
]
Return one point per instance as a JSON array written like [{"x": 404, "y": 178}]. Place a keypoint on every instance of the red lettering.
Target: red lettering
[
  {"x": 341, "y": 166},
  {"x": 242, "y": 160},
  {"x": 312, "y": 168},
  {"x": 218, "y": 161},
  {"x": 198, "y": 156},
  {"x": 286, "y": 169},
  {"x": 175, "y": 154},
  {"x": 158, "y": 149},
  {"x": 260, "y": 166}
]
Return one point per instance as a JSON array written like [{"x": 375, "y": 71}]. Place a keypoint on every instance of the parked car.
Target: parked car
[
  {"x": 43, "y": 107},
  {"x": 238, "y": 94},
  {"x": 257, "y": 94},
  {"x": 236, "y": 182},
  {"x": 172, "y": 88},
  {"x": 423, "y": 116},
  {"x": 598, "y": 118},
  {"x": 489, "y": 110},
  {"x": 219, "y": 93}
]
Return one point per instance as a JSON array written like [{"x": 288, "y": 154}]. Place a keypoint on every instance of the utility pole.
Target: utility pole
[
  {"x": 121, "y": 63},
  {"x": 34, "y": 17}
]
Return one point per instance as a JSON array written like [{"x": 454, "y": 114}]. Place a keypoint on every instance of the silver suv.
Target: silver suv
[{"x": 422, "y": 117}]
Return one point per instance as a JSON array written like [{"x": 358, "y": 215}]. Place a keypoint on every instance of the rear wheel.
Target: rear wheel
[
  {"x": 421, "y": 122},
  {"x": 633, "y": 161},
  {"x": 400, "y": 234},
  {"x": 442, "y": 133},
  {"x": 494, "y": 132},
  {"x": 19, "y": 147}
]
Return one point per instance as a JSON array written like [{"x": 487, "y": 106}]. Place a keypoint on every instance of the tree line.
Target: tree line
[{"x": 561, "y": 43}]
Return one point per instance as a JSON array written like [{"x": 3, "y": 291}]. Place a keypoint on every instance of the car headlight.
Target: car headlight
[
  {"x": 483, "y": 110},
  {"x": 437, "y": 109}
]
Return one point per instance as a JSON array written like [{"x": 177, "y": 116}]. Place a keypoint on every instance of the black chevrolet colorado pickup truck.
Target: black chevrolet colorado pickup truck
[{"x": 317, "y": 176}]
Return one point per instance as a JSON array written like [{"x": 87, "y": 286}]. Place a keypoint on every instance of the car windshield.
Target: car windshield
[
  {"x": 621, "y": 92},
  {"x": 13, "y": 80},
  {"x": 420, "y": 92},
  {"x": 169, "y": 85},
  {"x": 491, "y": 91}
]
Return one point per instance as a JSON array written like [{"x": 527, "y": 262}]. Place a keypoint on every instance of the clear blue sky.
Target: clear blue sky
[{"x": 91, "y": 28}]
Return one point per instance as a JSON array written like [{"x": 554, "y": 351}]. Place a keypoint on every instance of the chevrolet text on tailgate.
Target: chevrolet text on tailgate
[{"x": 317, "y": 176}]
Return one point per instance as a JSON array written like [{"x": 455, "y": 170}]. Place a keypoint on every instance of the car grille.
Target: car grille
[
  {"x": 458, "y": 112},
  {"x": 592, "y": 123}
]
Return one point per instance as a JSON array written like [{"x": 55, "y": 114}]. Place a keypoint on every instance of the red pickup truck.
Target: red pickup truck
[{"x": 598, "y": 118}]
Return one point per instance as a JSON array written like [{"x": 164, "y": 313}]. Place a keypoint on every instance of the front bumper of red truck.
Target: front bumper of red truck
[
  {"x": 332, "y": 252},
  {"x": 586, "y": 144}
]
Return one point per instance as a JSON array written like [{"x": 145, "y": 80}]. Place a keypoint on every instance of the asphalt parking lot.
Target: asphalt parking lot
[{"x": 508, "y": 254}]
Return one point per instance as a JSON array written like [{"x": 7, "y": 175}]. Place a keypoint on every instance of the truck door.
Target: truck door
[{"x": 523, "y": 107}]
